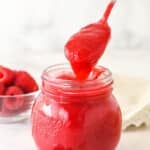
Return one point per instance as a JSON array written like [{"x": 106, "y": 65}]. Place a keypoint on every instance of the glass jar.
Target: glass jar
[{"x": 73, "y": 115}]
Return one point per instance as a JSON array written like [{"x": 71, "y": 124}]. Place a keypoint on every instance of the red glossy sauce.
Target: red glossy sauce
[{"x": 84, "y": 49}]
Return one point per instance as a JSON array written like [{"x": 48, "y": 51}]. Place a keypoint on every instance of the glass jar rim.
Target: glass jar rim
[{"x": 50, "y": 73}]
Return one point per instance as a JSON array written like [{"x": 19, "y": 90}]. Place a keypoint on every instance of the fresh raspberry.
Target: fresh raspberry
[
  {"x": 13, "y": 90},
  {"x": 14, "y": 102},
  {"x": 25, "y": 81},
  {"x": 6, "y": 75},
  {"x": 2, "y": 88}
]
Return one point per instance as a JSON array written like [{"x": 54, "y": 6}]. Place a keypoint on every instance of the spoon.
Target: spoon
[
  {"x": 85, "y": 48},
  {"x": 108, "y": 11}
]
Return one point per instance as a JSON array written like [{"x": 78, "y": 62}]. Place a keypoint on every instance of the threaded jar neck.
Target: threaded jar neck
[{"x": 55, "y": 83}]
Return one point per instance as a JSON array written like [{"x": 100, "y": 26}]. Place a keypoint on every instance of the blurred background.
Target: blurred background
[{"x": 33, "y": 30}]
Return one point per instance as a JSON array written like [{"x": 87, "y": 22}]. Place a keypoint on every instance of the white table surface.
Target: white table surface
[{"x": 18, "y": 136}]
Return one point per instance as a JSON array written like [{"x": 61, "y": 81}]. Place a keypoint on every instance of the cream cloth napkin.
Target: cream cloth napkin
[{"x": 133, "y": 95}]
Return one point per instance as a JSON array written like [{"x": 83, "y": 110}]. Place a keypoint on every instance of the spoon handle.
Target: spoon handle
[{"x": 108, "y": 10}]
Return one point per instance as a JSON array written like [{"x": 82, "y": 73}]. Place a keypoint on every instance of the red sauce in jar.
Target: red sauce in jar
[{"x": 71, "y": 115}]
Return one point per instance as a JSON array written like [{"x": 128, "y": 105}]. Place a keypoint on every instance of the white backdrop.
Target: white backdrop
[
  {"x": 43, "y": 23},
  {"x": 32, "y": 28}
]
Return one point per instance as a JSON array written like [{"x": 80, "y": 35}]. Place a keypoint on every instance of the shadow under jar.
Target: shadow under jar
[{"x": 73, "y": 115}]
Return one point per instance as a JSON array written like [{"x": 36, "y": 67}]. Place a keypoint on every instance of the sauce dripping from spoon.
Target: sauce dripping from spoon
[{"x": 85, "y": 48}]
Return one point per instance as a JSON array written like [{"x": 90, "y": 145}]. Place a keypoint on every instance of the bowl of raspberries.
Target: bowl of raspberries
[{"x": 18, "y": 90}]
